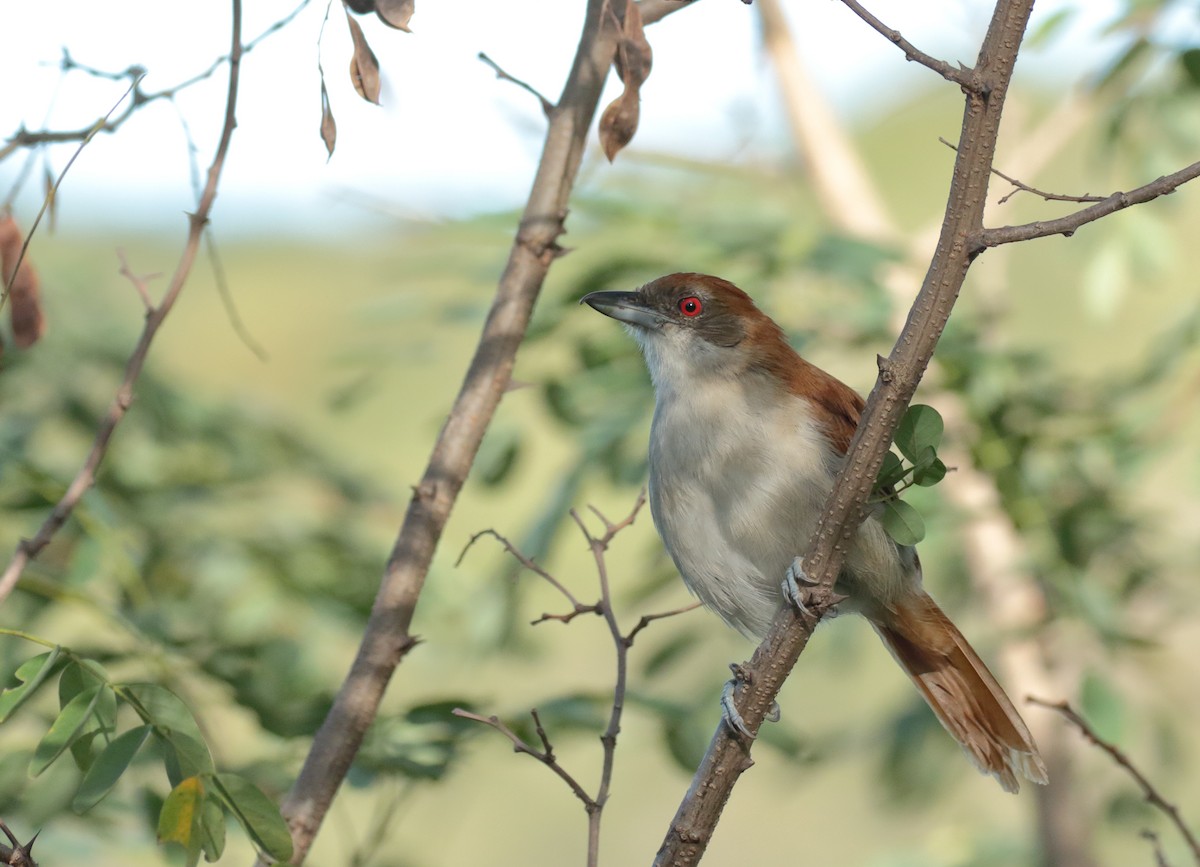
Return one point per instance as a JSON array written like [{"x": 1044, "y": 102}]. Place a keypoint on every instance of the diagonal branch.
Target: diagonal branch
[
  {"x": 728, "y": 756},
  {"x": 86, "y": 477},
  {"x": 968, "y": 79},
  {"x": 1021, "y": 186},
  {"x": 1066, "y": 226},
  {"x": 535, "y": 247},
  {"x": 1152, "y": 795}
]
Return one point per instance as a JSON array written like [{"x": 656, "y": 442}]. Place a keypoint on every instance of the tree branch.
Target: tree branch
[
  {"x": 534, "y": 249},
  {"x": 1152, "y": 795},
  {"x": 728, "y": 756},
  {"x": 86, "y": 477},
  {"x": 1066, "y": 226},
  {"x": 968, "y": 79}
]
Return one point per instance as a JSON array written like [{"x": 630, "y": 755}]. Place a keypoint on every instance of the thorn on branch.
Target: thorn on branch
[{"x": 547, "y": 105}]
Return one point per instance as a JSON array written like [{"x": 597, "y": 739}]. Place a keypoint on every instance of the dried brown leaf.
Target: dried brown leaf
[
  {"x": 619, "y": 122},
  {"x": 364, "y": 67},
  {"x": 633, "y": 61},
  {"x": 328, "y": 125},
  {"x": 395, "y": 13},
  {"x": 634, "y": 57},
  {"x": 361, "y": 7},
  {"x": 25, "y": 306}
]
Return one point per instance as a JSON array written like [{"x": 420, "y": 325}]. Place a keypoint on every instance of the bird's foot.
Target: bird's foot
[
  {"x": 729, "y": 711},
  {"x": 800, "y": 591}
]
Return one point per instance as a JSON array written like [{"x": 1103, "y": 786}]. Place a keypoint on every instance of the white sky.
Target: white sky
[{"x": 449, "y": 138}]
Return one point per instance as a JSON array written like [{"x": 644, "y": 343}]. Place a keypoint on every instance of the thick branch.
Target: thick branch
[
  {"x": 1067, "y": 225},
  {"x": 727, "y": 756},
  {"x": 534, "y": 249},
  {"x": 86, "y": 477}
]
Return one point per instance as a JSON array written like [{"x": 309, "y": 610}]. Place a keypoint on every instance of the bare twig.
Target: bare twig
[
  {"x": 728, "y": 756},
  {"x": 647, "y": 619},
  {"x": 29, "y": 548},
  {"x": 50, "y": 197},
  {"x": 526, "y": 562},
  {"x": 1160, "y": 857},
  {"x": 534, "y": 249},
  {"x": 1066, "y": 226},
  {"x": 1021, "y": 186},
  {"x": 1152, "y": 795},
  {"x": 547, "y": 105},
  {"x": 139, "y": 281},
  {"x": 25, "y": 138},
  {"x": 968, "y": 79},
  {"x": 546, "y": 757}
]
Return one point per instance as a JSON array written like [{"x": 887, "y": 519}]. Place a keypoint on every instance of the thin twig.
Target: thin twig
[
  {"x": 139, "y": 281},
  {"x": 1152, "y": 795},
  {"x": 52, "y": 194},
  {"x": 1021, "y": 186},
  {"x": 25, "y": 138},
  {"x": 519, "y": 746},
  {"x": 968, "y": 79},
  {"x": 85, "y": 478},
  {"x": 547, "y": 105},
  {"x": 528, "y": 564},
  {"x": 1160, "y": 857},
  {"x": 1066, "y": 226},
  {"x": 647, "y": 619}
]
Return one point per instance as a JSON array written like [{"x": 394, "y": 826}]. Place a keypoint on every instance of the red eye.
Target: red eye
[{"x": 690, "y": 306}]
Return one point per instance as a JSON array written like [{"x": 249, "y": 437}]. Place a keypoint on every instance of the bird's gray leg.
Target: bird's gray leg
[
  {"x": 797, "y": 589},
  {"x": 729, "y": 711}
]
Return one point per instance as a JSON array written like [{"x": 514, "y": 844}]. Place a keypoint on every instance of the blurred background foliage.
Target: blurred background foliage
[{"x": 231, "y": 547}]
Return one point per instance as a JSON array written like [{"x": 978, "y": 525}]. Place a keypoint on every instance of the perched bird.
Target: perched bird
[{"x": 746, "y": 441}]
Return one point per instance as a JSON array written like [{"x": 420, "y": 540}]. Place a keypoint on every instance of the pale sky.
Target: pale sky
[{"x": 449, "y": 138}]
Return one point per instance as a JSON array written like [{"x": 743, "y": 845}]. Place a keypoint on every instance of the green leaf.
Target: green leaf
[
  {"x": 162, "y": 708},
  {"x": 179, "y": 820},
  {"x": 212, "y": 829},
  {"x": 1190, "y": 61},
  {"x": 70, "y": 723},
  {"x": 257, "y": 814},
  {"x": 930, "y": 475},
  {"x": 891, "y": 472},
  {"x": 1102, "y": 707},
  {"x": 920, "y": 428},
  {"x": 184, "y": 756},
  {"x": 902, "y": 522},
  {"x": 32, "y": 673},
  {"x": 108, "y": 767}
]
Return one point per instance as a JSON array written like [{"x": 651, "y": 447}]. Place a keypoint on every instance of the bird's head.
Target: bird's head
[{"x": 694, "y": 326}]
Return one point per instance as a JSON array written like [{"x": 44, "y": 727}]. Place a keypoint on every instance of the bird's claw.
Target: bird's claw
[
  {"x": 729, "y": 711},
  {"x": 798, "y": 590}
]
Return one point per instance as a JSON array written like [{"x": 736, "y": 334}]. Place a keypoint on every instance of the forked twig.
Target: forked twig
[
  {"x": 1152, "y": 795},
  {"x": 547, "y": 105},
  {"x": 593, "y": 804},
  {"x": 1022, "y": 186}
]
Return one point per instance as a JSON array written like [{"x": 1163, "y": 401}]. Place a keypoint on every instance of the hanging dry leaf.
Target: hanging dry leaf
[
  {"x": 633, "y": 61},
  {"x": 395, "y": 13},
  {"x": 364, "y": 67},
  {"x": 25, "y": 307},
  {"x": 328, "y": 125},
  {"x": 361, "y": 7}
]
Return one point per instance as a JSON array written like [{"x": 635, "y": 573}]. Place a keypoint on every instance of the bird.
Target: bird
[{"x": 746, "y": 440}]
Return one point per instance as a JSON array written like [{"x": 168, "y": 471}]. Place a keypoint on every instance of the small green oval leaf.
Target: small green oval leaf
[
  {"x": 179, "y": 819},
  {"x": 891, "y": 472},
  {"x": 71, "y": 721},
  {"x": 257, "y": 814},
  {"x": 31, "y": 673},
  {"x": 902, "y": 522},
  {"x": 929, "y": 476},
  {"x": 108, "y": 767},
  {"x": 921, "y": 428}
]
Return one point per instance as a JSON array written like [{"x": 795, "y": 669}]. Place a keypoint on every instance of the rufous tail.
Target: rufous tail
[{"x": 961, "y": 691}]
